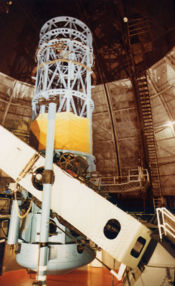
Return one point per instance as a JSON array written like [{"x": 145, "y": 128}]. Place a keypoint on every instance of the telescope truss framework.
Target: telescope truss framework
[{"x": 64, "y": 71}]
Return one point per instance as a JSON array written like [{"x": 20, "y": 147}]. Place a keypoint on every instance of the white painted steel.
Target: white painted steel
[
  {"x": 166, "y": 222},
  {"x": 13, "y": 231},
  {"x": 68, "y": 27},
  {"x": 65, "y": 59},
  {"x": 159, "y": 270},
  {"x": 76, "y": 203},
  {"x": 14, "y": 154}
]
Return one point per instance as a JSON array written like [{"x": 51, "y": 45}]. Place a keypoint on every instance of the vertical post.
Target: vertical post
[
  {"x": 42, "y": 109},
  {"x": 9, "y": 103},
  {"x": 13, "y": 232},
  {"x": 45, "y": 216}
]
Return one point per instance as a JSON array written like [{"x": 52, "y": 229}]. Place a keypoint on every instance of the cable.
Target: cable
[
  {"x": 5, "y": 234},
  {"x": 17, "y": 207}
]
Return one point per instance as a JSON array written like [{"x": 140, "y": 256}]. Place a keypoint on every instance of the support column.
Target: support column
[{"x": 47, "y": 186}]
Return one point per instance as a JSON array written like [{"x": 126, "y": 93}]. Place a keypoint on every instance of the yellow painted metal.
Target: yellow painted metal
[{"x": 71, "y": 132}]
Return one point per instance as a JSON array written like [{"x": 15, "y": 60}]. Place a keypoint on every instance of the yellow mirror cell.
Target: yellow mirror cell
[{"x": 71, "y": 132}]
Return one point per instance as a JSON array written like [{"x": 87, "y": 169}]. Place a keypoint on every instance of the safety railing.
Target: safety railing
[
  {"x": 134, "y": 175},
  {"x": 166, "y": 223}
]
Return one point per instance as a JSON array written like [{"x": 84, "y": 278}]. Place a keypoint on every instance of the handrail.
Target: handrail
[
  {"x": 134, "y": 175},
  {"x": 164, "y": 227},
  {"x": 169, "y": 214},
  {"x": 169, "y": 226}
]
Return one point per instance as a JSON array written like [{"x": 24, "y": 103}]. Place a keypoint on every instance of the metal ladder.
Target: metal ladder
[
  {"x": 139, "y": 28},
  {"x": 136, "y": 27},
  {"x": 149, "y": 140}
]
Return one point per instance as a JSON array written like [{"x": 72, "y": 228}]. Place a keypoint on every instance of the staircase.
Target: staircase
[
  {"x": 136, "y": 28},
  {"x": 148, "y": 135}
]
